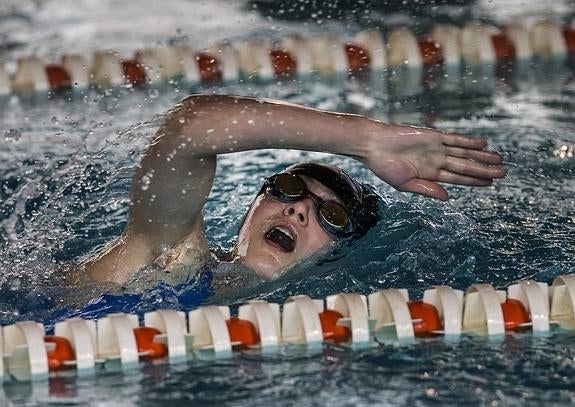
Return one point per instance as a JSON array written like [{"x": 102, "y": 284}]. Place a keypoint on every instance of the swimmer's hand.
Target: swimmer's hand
[{"x": 415, "y": 159}]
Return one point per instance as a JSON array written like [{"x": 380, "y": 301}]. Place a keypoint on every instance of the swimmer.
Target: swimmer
[{"x": 298, "y": 211}]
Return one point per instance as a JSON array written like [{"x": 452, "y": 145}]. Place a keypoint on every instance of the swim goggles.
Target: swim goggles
[{"x": 332, "y": 216}]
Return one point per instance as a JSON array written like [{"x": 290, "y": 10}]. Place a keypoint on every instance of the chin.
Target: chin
[{"x": 265, "y": 268}]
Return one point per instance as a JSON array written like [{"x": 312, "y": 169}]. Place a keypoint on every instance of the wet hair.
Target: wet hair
[{"x": 359, "y": 199}]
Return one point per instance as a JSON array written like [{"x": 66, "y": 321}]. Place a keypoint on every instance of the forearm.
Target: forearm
[{"x": 211, "y": 125}]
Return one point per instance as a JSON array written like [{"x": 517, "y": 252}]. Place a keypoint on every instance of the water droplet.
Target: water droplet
[
  {"x": 12, "y": 135},
  {"x": 153, "y": 93},
  {"x": 146, "y": 179},
  {"x": 15, "y": 284}
]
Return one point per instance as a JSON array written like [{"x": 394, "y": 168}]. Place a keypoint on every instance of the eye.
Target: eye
[
  {"x": 334, "y": 214},
  {"x": 290, "y": 185}
]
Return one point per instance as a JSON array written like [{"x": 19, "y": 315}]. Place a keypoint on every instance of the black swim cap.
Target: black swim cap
[{"x": 361, "y": 203}]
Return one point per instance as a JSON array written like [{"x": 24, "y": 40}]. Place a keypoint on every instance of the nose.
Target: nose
[{"x": 300, "y": 210}]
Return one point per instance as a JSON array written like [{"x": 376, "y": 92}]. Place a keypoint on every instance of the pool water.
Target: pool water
[{"x": 66, "y": 165}]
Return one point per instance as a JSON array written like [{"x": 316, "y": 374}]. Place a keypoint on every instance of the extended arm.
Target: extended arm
[{"x": 174, "y": 178}]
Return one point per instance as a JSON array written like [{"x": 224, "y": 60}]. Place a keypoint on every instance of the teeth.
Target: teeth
[{"x": 285, "y": 231}]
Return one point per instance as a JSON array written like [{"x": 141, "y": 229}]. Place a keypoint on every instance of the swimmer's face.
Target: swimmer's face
[{"x": 276, "y": 234}]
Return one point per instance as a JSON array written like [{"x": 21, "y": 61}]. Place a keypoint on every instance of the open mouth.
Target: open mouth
[{"x": 282, "y": 238}]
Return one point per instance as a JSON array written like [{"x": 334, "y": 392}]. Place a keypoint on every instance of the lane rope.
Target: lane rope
[
  {"x": 447, "y": 46},
  {"x": 210, "y": 332}
]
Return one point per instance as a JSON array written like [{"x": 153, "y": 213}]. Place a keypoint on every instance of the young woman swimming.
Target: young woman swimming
[{"x": 298, "y": 211}]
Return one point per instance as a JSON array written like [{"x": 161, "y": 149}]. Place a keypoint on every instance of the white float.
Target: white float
[
  {"x": 107, "y": 69},
  {"x": 328, "y": 55},
  {"x": 228, "y": 58},
  {"x": 265, "y": 317},
  {"x": 116, "y": 339},
  {"x": 535, "y": 298},
  {"x": 172, "y": 325},
  {"x": 77, "y": 68},
  {"x": 519, "y": 36},
  {"x": 25, "y": 351},
  {"x": 390, "y": 311},
  {"x": 5, "y": 88},
  {"x": 403, "y": 49},
  {"x": 255, "y": 59},
  {"x": 301, "y": 324},
  {"x": 31, "y": 75},
  {"x": 476, "y": 44},
  {"x": 299, "y": 48},
  {"x": 81, "y": 334},
  {"x": 449, "y": 305},
  {"x": 563, "y": 301},
  {"x": 547, "y": 39},
  {"x": 448, "y": 37},
  {"x": 353, "y": 308},
  {"x": 372, "y": 41},
  {"x": 482, "y": 312},
  {"x": 208, "y": 328}
]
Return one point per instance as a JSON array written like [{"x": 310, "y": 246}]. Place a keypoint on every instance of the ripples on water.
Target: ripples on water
[{"x": 65, "y": 170}]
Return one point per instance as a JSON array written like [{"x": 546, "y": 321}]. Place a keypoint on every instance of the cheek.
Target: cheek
[
  {"x": 318, "y": 238},
  {"x": 260, "y": 210}
]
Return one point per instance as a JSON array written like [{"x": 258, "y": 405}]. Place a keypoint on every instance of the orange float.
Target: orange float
[
  {"x": 514, "y": 314},
  {"x": 145, "y": 342},
  {"x": 357, "y": 58},
  {"x": 242, "y": 331},
  {"x": 427, "y": 318},
  {"x": 503, "y": 46},
  {"x": 430, "y": 51},
  {"x": 62, "y": 352},
  {"x": 133, "y": 72},
  {"x": 283, "y": 62},
  {"x": 58, "y": 77},
  {"x": 209, "y": 67},
  {"x": 569, "y": 35},
  {"x": 330, "y": 329}
]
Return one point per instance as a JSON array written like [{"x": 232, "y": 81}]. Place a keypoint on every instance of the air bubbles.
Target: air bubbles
[
  {"x": 153, "y": 93},
  {"x": 146, "y": 180},
  {"x": 12, "y": 135},
  {"x": 565, "y": 151},
  {"x": 15, "y": 284}
]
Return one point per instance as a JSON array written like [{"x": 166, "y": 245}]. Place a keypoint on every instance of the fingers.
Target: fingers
[
  {"x": 482, "y": 156},
  {"x": 452, "y": 178},
  {"x": 425, "y": 187},
  {"x": 472, "y": 169},
  {"x": 457, "y": 140}
]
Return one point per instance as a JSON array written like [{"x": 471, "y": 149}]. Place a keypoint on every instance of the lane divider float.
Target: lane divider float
[
  {"x": 117, "y": 341},
  {"x": 446, "y": 46}
]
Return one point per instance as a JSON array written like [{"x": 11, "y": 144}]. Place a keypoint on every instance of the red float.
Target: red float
[
  {"x": 58, "y": 77},
  {"x": 330, "y": 329},
  {"x": 209, "y": 67},
  {"x": 430, "y": 51},
  {"x": 514, "y": 314},
  {"x": 569, "y": 35},
  {"x": 242, "y": 331},
  {"x": 145, "y": 342},
  {"x": 503, "y": 46},
  {"x": 427, "y": 318},
  {"x": 62, "y": 352},
  {"x": 357, "y": 58},
  {"x": 283, "y": 62},
  {"x": 134, "y": 74}
]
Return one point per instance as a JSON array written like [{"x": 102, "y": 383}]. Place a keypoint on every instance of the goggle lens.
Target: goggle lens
[{"x": 332, "y": 216}]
